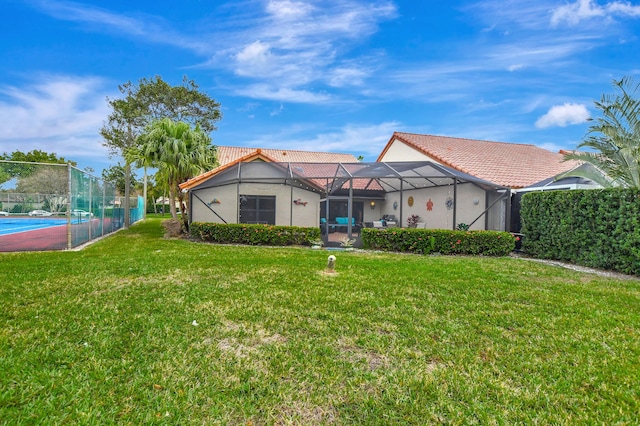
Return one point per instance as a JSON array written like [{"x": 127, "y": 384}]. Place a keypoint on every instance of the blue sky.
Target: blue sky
[{"x": 317, "y": 75}]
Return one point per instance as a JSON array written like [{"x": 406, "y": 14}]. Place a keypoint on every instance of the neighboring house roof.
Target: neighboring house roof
[
  {"x": 508, "y": 164},
  {"x": 228, "y": 156}
]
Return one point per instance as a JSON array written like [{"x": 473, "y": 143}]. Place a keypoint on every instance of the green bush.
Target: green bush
[
  {"x": 425, "y": 241},
  {"x": 596, "y": 228},
  {"x": 253, "y": 234}
]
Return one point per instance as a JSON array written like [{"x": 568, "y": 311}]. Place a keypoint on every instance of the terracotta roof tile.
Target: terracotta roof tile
[
  {"x": 509, "y": 164},
  {"x": 227, "y": 156}
]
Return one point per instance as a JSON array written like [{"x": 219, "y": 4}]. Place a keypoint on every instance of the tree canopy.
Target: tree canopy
[
  {"x": 151, "y": 100},
  {"x": 614, "y": 139},
  {"x": 36, "y": 156},
  {"x": 178, "y": 151},
  {"x": 154, "y": 99},
  {"x": 12, "y": 170},
  {"x": 116, "y": 174}
]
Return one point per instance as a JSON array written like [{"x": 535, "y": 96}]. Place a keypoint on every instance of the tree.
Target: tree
[
  {"x": 615, "y": 139},
  {"x": 116, "y": 175},
  {"x": 50, "y": 182},
  {"x": 9, "y": 171},
  {"x": 35, "y": 156},
  {"x": 149, "y": 100},
  {"x": 179, "y": 152}
]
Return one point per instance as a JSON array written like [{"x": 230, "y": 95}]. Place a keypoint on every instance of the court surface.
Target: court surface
[
  {"x": 49, "y": 233},
  {"x": 13, "y": 225}
]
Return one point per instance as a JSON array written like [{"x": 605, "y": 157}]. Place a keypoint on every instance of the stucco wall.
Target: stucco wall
[
  {"x": 287, "y": 213},
  {"x": 400, "y": 151},
  {"x": 440, "y": 216}
]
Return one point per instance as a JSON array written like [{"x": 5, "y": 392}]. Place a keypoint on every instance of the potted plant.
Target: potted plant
[
  {"x": 413, "y": 220},
  {"x": 316, "y": 243},
  {"x": 347, "y": 243}
]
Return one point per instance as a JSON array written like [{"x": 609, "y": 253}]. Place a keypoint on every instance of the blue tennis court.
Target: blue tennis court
[{"x": 13, "y": 225}]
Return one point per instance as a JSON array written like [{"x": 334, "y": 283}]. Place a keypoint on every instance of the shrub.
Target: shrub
[
  {"x": 253, "y": 234},
  {"x": 596, "y": 228},
  {"x": 425, "y": 241}
]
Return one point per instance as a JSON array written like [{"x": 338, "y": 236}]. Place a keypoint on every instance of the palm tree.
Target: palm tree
[
  {"x": 178, "y": 151},
  {"x": 615, "y": 139}
]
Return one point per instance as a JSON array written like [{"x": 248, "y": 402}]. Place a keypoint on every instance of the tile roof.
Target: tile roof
[
  {"x": 508, "y": 164},
  {"x": 228, "y": 156}
]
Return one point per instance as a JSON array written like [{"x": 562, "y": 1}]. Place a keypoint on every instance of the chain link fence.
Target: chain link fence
[{"x": 57, "y": 207}]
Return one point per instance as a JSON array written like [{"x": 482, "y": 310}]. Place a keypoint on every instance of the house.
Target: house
[
  {"x": 251, "y": 186},
  {"x": 509, "y": 164},
  {"x": 521, "y": 167},
  {"x": 338, "y": 193}
]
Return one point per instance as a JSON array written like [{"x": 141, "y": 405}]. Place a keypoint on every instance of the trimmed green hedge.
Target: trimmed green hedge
[
  {"x": 253, "y": 234},
  {"x": 596, "y": 227},
  {"x": 425, "y": 241}
]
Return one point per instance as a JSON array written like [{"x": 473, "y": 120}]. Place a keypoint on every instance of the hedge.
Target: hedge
[
  {"x": 596, "y": 228},
  {"x": 253, "y": 234},
  {"x": 426, "y": 241}
]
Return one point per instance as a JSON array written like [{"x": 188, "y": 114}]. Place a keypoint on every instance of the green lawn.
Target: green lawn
[{"x": 136, "y": 329}]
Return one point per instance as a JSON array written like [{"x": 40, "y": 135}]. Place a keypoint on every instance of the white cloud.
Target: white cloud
[
  {"x": 282, "y": 94},
  {"x": 357, "y": 139},
  {"x": 347, "y": 76},
  {"x": 254, "y": 59},
  {"x": 295, "y": 44},
  {"x": 60, "y": 114},
  {"x": 277, "y": 111},
  {"x": 287, "y": 10},
  {"x": 563, "y": 115},
  {"x": 581, "y": 10},
  {"x": 149, "y": 28}
]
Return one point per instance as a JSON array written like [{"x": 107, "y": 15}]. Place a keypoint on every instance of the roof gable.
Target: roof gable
[
  {"x": 509, "y": 164},
  {"x": 228, "y": 156}
]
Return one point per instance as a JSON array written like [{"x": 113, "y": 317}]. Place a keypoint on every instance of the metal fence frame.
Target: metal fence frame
[{"x": 90, "y": 205}]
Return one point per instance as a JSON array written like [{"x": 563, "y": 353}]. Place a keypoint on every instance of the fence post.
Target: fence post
[{"x": 69, "y": 204}]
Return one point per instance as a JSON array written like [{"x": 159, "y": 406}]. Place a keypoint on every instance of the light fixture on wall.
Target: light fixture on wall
[{"x": 372, "y": 204}]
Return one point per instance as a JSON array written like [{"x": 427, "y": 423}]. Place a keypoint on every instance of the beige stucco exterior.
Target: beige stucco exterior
[
  {"x": 306, "y": 213},
  {"x": 471, "y": 204},
  {"x": 400, "y": 151}
]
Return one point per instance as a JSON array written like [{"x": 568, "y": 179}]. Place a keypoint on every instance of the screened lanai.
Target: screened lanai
[{"x": 344, "y": 197}]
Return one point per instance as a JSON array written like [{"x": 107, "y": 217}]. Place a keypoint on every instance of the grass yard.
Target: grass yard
[{"x": 136, "y": 329}]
